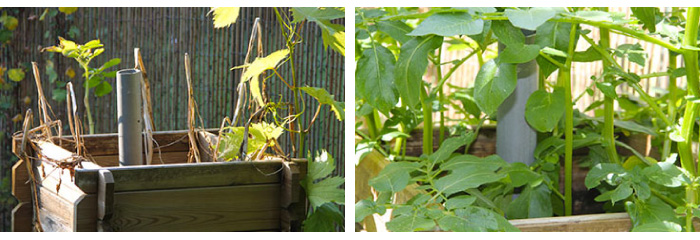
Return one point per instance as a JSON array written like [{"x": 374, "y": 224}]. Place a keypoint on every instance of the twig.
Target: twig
[{"x": 194, "y": 150}]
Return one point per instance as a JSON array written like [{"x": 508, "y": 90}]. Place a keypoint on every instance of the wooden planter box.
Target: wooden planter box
[
  {"x": 171, "y": 195},
  {"x": 606, "y": 222}
]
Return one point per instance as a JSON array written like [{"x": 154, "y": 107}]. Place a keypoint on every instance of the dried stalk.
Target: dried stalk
[
  {"x": 194, "y": 150},
  {"x": 146, "y": 108},
  {"x": 29, "y": 163},
  {"x": 74, "y": 122},
  {"x": 43, "y": 105}
]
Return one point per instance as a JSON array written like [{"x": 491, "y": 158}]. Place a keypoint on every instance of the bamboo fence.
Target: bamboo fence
[{"x": 164, "y": 35}]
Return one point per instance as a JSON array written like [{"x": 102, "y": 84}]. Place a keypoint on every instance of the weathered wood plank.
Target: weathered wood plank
[
  {"x": 108, "y": 144},
  {"x": 22, "y": 217},
  {"x": 608, "y": 222},
  {"x": 232, "y": 208},
  {"x": 86, "y": 214},
  {"x": 55, "y": 211},
  {"x": 21, "y": 188},
  {"x": 165, "y": 157},
  {"x": 132, "y": 178}
]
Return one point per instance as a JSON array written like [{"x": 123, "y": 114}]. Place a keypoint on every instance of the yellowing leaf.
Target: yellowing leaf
[
  {"x": 261, "y": 64},
  {"x": 17, "y": 118},
  {"x": 70, "y": 73},
  {"x": 10, "y": 22},
  {"x": 269, "y": 130},
  {"x": 253, "y": 71},
  {"x": 225, "y": 16},
  {"x": 324, "y": 97},
  {"x": 336, "y": 40},
  {"x": 2, "y": 74},
  {"x": 16, "y": 74},
  {"x": 67, "y": 10}
]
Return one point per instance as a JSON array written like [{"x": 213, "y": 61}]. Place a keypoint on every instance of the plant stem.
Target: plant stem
[
  {"x": 372, "y": 125},
  {"x": 672, "y": 99},
  {"x": 441, "y": 98},
  {"x": 691, "y": 65},
  {"x": 427, "y": 123},
  {"x": 86, "y": 101},
  {"x": 609, "y": 104},
  {"x": 565, "y": 79}
]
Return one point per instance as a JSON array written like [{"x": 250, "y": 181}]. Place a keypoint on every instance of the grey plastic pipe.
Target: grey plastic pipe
[
  {"x": 129, "y": 117},
  {"x": 516, "y": 140}
]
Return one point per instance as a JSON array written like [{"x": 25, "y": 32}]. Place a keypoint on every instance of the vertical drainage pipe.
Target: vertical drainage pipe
[
  {"x": 129, "y": 117},
  {"x": 516, "y": 140}
]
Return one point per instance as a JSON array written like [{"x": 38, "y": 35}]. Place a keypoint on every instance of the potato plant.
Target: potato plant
[{"x": 460, "y": 192}]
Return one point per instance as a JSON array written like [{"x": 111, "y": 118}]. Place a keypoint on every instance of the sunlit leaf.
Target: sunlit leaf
[
  {"x": 324, "y": 97},
  {"x": 68, "y": 10},
  {"x": 16, "y": 74},
  {"x": 225, "y": 16}
]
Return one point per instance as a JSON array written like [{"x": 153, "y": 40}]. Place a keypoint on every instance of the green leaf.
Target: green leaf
[
  {"x": 532, "y": 203},
  {"x": 394, "y": 177},
  {"x": 58, "y": 94},
  {"x": 520, "y": 174},
  {"x": 103, "y": 89},
  {"x": 324, "y": 97},
  {"x": 666, "y": 174},
  {"x": 607, "y": 88},
  {"x": 395, "y": 29},
  {"x": 475, "y": 219},
  {"x": 465, "y": 178},
  {"x": 554, "y": 52},
  {"x": 650, "y": 211},
  {"x": 602, "y": 172},
  {"x": 662, "y": 226},
  {"x": 507, "y": 33},
  {"x": 9, "y": 22},
  {"x": 112, "y": 62},
  {"x": 596, "y": 16},
  {"x": 493, "y": 84},
  {"x": 414, "y": 221},
  {"x": 463, "y": 201},
  {"x": 225, "y": 16},
  {"x": 635, "y": 127},
  {"x": 413, "y": 60},
  {"x": 450, "y": 145},
  {"x": 554, "y": 35},
  {"x": 647, "y": 15},
  {"x": 316, "y": 13},
  {"x": 543, "y": 110},
  {"x": 374, "y": 78},
  {"x": 16, "y": 74},
  {"x": 519, "y": 53},
  {"x": 531, "y": 18},
  {"x": 621, "y": 192},
  {"x": 634, "y": 52},
  {"x": 324, "y": 219},
  {"x": 590, "y": 55},
  {"x": 490, "y": 163},
  {"x": 324, "y": 191},
  {"x": 449, "y": 24},
  {"x": 365, "y": 208},
  {"x": 322, "y": 166}
]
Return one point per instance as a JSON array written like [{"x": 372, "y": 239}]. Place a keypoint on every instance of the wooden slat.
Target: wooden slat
[
  {"x": 108, "y": 144},
  {"x": 166, "y": 157},
  {"x": 55, "y": 212},
  {"x": 232, "y": 208},
  {"x": 86, "y": 214},
  {"x": 608, "y": 222},
  {"x": 172, "y": 176},
  {"x": 22, "y": 217},
  {"x": 21, "y": 188}
]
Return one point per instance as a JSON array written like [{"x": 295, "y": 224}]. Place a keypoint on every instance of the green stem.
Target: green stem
[
  {"x": 372, "y": 125},
  {"x": 672, "y": 99},
  {"x": 86, "y": 101},
  {"x": 691, "y": 110},
  {"x": 487, "y": 201},
  {"x": 565, "y": 79},
  {"x": 441, "y": 98},
  {"x": 427, "y": 123},
  {"x": 608, "y": 105},
  {"x": 635, "y": 85}
]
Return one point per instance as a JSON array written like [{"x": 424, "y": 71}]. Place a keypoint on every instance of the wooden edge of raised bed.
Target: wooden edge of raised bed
[{"x": 606, "y": 222}]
